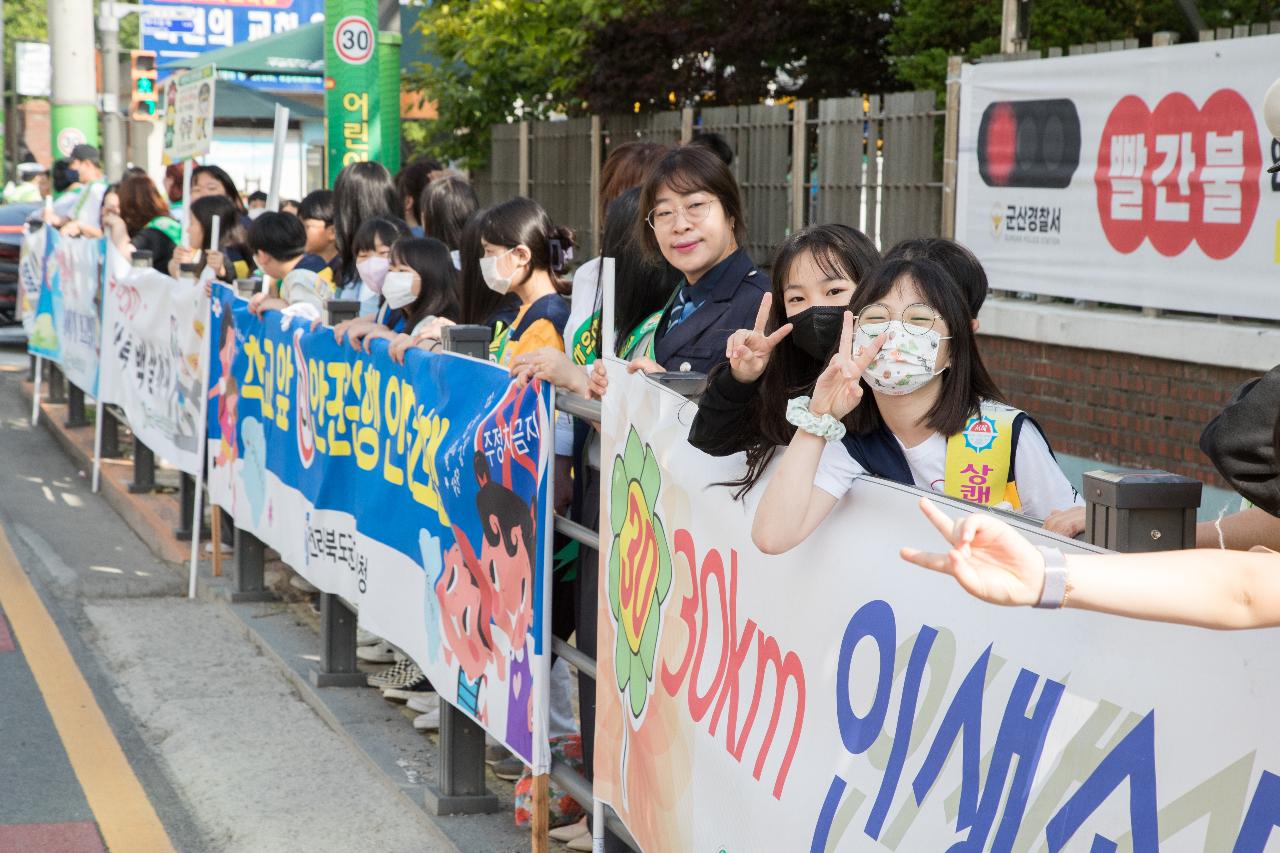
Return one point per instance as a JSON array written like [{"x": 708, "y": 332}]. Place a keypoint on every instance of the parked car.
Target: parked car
[{"x": 13, "y": 218}]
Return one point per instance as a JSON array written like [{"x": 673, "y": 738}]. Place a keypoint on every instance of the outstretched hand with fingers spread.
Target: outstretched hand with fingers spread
[
  {"x": 990, "y": 559},
  {"x": 838, "y": 389},
  {"x": 748, "y": 350}
]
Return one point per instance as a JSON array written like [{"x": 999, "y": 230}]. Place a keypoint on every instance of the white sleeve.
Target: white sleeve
[
  {"x": 305, "y": 310},
  {"x": 836, "y": 470},
  {"x": 1042, "y": 487},
  {"x": 91, "y": 212}
]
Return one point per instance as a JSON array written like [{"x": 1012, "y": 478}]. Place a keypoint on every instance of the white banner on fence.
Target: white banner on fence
[
  {"x": 837, "y": 698},
  {"x": 75, "y": 271},
  {"x": 31, "y": 263},
  {"x": 153, "y": 329},
  {"x": 1133, "y": 177}
]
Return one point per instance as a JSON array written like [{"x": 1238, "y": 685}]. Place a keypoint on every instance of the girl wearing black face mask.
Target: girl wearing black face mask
[{"x": 814, "y": 275}]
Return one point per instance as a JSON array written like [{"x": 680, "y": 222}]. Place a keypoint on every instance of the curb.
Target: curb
[{"x": 153, "y": 518}]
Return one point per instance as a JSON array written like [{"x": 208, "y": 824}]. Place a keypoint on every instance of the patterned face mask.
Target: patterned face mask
[{"x": 905, "y": 363}]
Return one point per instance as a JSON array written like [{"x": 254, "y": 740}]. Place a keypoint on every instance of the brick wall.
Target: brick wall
[
  {"x": 36, "y": 131},
  {"x": 1122, "y": 410}
]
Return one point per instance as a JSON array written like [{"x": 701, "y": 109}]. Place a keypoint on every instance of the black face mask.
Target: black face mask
[{"x": 817, "y": 329}]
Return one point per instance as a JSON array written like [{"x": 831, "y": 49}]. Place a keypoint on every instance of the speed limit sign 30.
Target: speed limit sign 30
[{"x": 353, "y": 40}]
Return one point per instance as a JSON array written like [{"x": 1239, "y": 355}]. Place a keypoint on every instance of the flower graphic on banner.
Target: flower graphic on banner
[{"x": 639, "y": 569}]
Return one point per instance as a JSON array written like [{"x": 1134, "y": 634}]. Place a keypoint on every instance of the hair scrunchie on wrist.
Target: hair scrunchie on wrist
[{"x": 802, "y": 417}]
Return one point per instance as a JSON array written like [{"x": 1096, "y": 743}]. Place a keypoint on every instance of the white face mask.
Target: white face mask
[
  {"x": 905, "y": 363},
  {"x": 397, "y": 289},
  {"x": 489, "y": 269}
]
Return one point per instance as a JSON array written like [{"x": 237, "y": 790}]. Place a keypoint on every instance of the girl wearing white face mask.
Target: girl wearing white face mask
[
  {"x": 420, "y": 290},
  {"x": 371, "y": 248},
  {"x": 934, "y": 418},
  {"x": 523, "y": 254}
]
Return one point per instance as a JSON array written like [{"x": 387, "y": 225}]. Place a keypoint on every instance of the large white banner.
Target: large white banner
[
  {"x": 1134, "y": 177},
  {"x": 75, "y": 272},
  {"x": 838, "y": 698},
  {"x": 153, "y": 327}
]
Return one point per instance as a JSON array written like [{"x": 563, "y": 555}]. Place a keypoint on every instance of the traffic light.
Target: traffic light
[{"x": 142, "y": 73}]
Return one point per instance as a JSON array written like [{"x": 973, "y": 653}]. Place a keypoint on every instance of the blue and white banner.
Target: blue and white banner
[{"x": 417, "y": 492}]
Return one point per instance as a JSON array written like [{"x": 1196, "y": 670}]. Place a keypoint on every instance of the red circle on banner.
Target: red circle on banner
[
  {"x": 1229, "y": 174},
  {"x": 1002, "y": 143},
  {"x": 353, "y": 40},
  {"x": 1175, "y": 150},
  {"x": 1120, "y": 177}
]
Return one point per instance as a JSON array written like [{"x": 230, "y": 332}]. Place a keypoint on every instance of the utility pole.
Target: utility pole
[
  {"x": 112, "y": 129},
  {"x": 4, "y": 114},
  {"x": 73, "y": 114},
  {"x": 1013, "y": 26}
]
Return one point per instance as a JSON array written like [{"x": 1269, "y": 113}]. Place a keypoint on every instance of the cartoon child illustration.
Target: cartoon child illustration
[
  {"x": 227, "y": 391},
  {"x": 466, "y": 602}
]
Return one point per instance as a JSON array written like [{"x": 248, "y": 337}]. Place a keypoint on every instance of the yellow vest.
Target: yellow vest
[{"x": 979, "y": 466}]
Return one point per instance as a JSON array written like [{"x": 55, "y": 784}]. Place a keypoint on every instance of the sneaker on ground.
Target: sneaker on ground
[
  {"x": 570, "y": 832},
  {"x": 383, "y": 678},
  {"x": 493, "y": 753},
  {"x": 580, "y": 843},
  {"x": 380, "y": 652},
  {"x": 399, "y": 675},
  {"x": 428, "y": 722},
  {"x": 366, "y": 638},
  {"x": 423, "y": 702},
  {"x": 298, "y": 582},
  {"x": 509, "y": 768},
  {"x": 404, "y": 694},
  {"x": 225, "y": 548}
]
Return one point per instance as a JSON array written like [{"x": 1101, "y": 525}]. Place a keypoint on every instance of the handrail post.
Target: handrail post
[
  {"x": 337, "y": 645},
  {"x": 1144, "y": 510},
  {"x": 249, "y": 570}
]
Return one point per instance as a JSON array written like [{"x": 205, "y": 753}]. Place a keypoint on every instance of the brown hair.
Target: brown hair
[
  {"x": 690, "y": 169},
  {"x": 140, "y": 202},
  {"x": 626, "y": 167}
]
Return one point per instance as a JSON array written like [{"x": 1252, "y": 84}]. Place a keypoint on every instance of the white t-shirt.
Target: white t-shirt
[
  {"x": 90, "y": 212},
  {"x": 1042, "y": 487},
  {"x": 582, "y": 304}
]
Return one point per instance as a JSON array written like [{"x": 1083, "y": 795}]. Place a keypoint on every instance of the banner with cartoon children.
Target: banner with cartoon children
[
  {"x": 32, "y": 257},
  {"x": 417, "y": 492},
  {"x": 75, "y": 280},
  {"x": 838, "y": 698},
  {"x": 41, "y": 300},
  {"x": 152, "y": 329}
]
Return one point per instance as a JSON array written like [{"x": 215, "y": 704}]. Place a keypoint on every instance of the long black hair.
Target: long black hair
[
  {"x": 362, "y": 191},
  {"x": 444, "y": 208},
  {"x": 642, "y": 283},
  {"x": 839, "y": 252},
  {"x": 522, "y": 222},
  {"x": 965, "y": 382},
  {"x": 438, "y": 295},
  {"x": 231, "y": 231},
  {"x": 479, "y": 301},
  {"x": 220, "y": 175},
  {"x": 953, "y": 257},
  {"x": 386, "y": 230}
]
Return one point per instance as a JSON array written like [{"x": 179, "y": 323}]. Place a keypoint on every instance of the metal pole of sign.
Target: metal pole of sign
[
  {"x": 186, "y": 202},
  {"x": 197, "y": 514},
  {"x": 277, "y": 155},
  {"x": 112, "y": 131},
  {"x": 100, "y": 415},
  {"x": 35, "y": 392}
]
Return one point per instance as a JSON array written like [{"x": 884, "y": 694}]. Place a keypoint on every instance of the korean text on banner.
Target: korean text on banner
[
  {"x": 1132, "y": 177},
  {"x": 152, "y": 331},
  {"x": 416, "y": 491},
  {"x": 187, "y": 106},
  {"x": 837, "y": 698},
  {"x": 75, "y": 274},
  {"x": 351, "y": 90}
]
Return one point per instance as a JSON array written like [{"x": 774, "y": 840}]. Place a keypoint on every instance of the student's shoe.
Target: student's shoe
[
  {"x": 424, "y": 702},
  {"x": 428, "y": 722},
  {"x": 509, "y": 768},
  {"x": 366, "y": 638},
  {"x": 570, "y": 832},
  {"x": 380, "y": 652}
]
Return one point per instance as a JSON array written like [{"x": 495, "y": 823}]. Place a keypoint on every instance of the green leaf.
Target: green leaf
[
  {"x": 615, "y": 579},
  {"x": 663, "y": 585},
  {"x": 639, "y": 691},
  {"x": 618, "y": 495},
  {"x": 633, "y": 455},
  {"x": 622, "y": 658},
  {"x": 650, "y": 477},
  {"x": 649, "y": 641}
]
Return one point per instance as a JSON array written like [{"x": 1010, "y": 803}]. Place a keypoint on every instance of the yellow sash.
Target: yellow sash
[{"x": 979, "y": 456}]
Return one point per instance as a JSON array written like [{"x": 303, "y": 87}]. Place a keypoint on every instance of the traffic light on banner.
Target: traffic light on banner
[{"x": 142, "y": 73}]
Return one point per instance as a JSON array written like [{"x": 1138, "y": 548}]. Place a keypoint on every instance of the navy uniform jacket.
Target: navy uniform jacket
[{"x": 736, "y": 288}]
